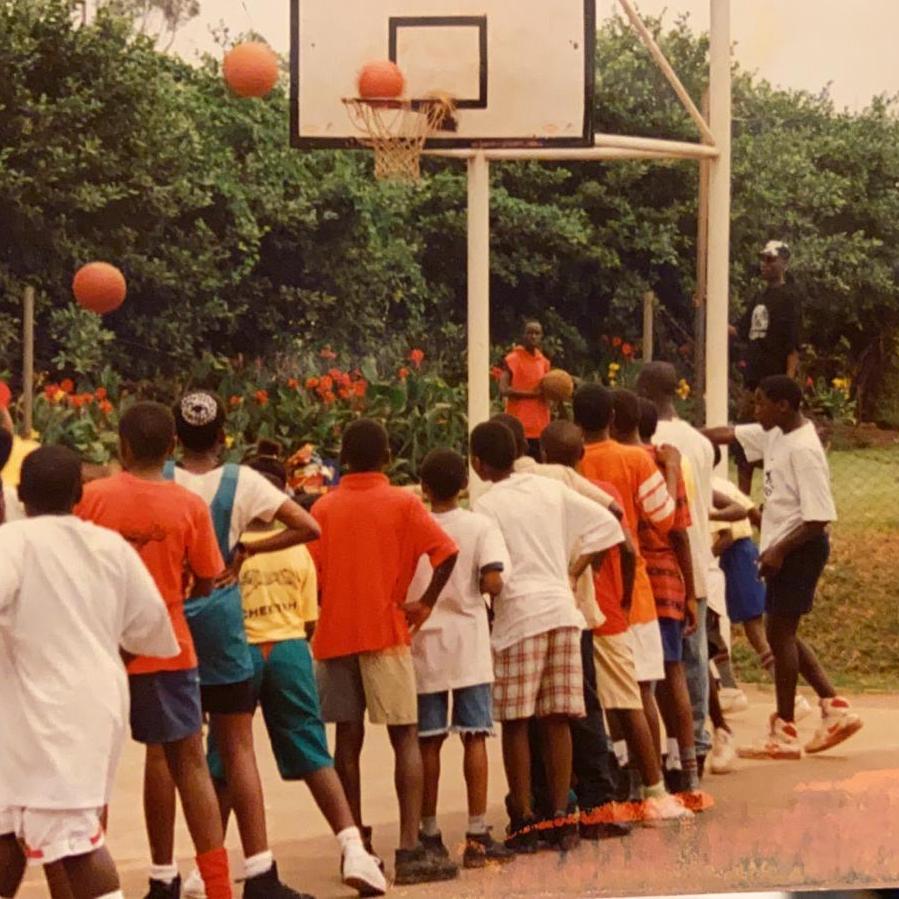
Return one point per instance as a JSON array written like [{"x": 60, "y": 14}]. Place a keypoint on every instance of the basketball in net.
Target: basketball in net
[
  {"x": 557, "y": 385},
  {"x": 395, "y": 128},
  {"x": 251, "y": 69}
]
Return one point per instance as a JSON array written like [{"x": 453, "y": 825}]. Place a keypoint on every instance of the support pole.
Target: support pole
[
  {"x": 28, "y": 362},
  {"x": 717, "y": 363},
  {"x": 478, "y": 297},
  {"x": 649, "y": 309},
  {"x": 700, "y": 299}
]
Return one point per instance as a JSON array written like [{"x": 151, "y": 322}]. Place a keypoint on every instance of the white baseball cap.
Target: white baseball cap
[{"x": 775, "y": 248}]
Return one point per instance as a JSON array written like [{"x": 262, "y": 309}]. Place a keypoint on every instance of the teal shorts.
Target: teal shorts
[{"x": 284, "y": 685}]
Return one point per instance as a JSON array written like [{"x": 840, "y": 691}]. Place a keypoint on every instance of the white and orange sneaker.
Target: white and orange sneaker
[
  {"x": 838, "y": 723},
  {"x": 782, "y": 743},
  {"x": 658, "y": 811}
]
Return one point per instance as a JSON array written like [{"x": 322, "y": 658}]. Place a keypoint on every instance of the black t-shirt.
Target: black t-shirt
[{"x": 771, "y": 328}]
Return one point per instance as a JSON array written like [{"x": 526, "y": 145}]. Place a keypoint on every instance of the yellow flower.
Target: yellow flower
[
  {"x": 614, "y": 366},
  {"x": 59, "y": 396},
  {"x": 683, "y": 389},
  {"x": 229, "y": 441}
]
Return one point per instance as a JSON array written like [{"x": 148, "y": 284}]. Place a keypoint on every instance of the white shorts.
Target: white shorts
[
  {"x": 48, "y": 835},
  {"x": 649, "y": 657}
]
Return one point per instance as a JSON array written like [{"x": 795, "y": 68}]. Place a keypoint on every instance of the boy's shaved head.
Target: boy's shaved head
[
  {"x": 51, "y": 481},
  {"x": 517, "y": 428},
  {"x": 657, "y": 381},
  {"x": 627, "y": 411},
  {"x": 562, "y": 443},
  {"x": 365, "y": 446}
]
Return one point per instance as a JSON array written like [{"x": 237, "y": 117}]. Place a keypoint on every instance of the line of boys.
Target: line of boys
[{"x": 364, "y": 658}]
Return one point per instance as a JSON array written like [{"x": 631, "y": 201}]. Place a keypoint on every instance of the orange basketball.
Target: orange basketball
[
  {"x": 99, "y": 287},
  {"x": 557, "y": 385},
  {"x": 381, "y": 80},
  {"x": 251, "y": 69}
]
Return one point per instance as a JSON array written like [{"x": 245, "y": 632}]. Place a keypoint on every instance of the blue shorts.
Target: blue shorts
[
  {"x": 284, "y": 685},
  {"x": 472, "y": 712},
  {"x": 745, "y": 591},
  {"x": 672, "y": 639},
  {"x": 165, "y": 706}
]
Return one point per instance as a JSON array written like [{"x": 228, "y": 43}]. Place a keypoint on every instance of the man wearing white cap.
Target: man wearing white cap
[{"x": 771, "y": 330}]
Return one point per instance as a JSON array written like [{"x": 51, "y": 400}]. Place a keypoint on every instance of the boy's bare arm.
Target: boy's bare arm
[
  {"x": 299, "y": 527},
  {"x": 417, "y": 612},
  {"x": 724, "y": 540},
  {"x": 726, "y": 509},
  {"x": 202, "y": 586},
  {"x": 772, "y": 559},
  {"x": 628, "y": 574},
  {"x": 506, "y": 389},
  {"x": 491, "y": 582},
  {"x": 722, "y": 436}
]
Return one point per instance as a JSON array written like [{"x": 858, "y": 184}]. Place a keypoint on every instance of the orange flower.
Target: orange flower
[
  {"x": 627, "y": 350},
  {"x": 326, "y": 382},
  {"x": 311, "y": 383},
  {"x": 67, "y": 386},
  {"x": 344, "y": 392},
  {"x": 100, "y": 393},
  {"x": 76, "y": 401},
  {"x": 328, "y": 353},
  {"x": 403, "y": 373},
  {"x": 328, "y": 397},
  {"x": 235, "y": 401},
  {"x": 360, "y": 388},
  {"x": 809, "y": 382},
  {"x": 51, "y": 390},
  {"x": 416, "y": 357},
  {"x": 105, "y": 407},
  {"x": 293, "y": 383},
  {"x": 262, "y": 397},
  {"x": 616, "y": 342}
]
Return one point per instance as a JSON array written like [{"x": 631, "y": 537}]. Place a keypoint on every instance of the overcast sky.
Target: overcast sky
[{"x": 795, "y": 43}]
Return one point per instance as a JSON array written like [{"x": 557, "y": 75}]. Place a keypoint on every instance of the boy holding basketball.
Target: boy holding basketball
[
  {"x": 171, "y": 530},
  {"x": 519, "y": 385}
]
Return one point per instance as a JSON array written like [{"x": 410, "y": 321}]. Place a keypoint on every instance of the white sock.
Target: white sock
[
  {"x": 348, "y": 837},
  {"x": 164, "y": 873},
  {"x": 477, "y": 824},
  {"x": 429, "y": 827},
  {"x": 673, "y": 763},
  {"x": 620, "y": 747},
  {"x": 261, "y": 863}
]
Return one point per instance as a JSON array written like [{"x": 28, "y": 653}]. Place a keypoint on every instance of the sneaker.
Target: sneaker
[
  {"x": 732, "y": 700},
  {"x": 838, "y": 723},
  {"x": 661, "y": 810},
  {"x": 782, "y": 743},
  {"x": 434, "y": 844},
  {"x": 723, "y": 752},
  {"x": 194, "y": 888},
  {"x": 802, "y": 708},
  {"x": 269, "y": 886},
  {"x": 366, "y": 842},
  {"x": 481, "y": 849},
  {"x": 522, "y": 836},
  {"x": 697, "y": 801},
  {"x": 359, "y": 870},
  {"x": 419, "y": 866},
  {"x": 675, "y": 779},
  {"x": 160, "y": 890}
]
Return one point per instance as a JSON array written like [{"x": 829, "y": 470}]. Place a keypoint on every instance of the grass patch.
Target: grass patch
[{"x": 855, "y": 623}]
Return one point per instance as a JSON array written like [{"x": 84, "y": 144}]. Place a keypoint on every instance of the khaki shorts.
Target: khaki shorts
[
  {"x": 649, "y": 655},
  {"x": 616, "y": 676},
  {"x": 382, "y": 682},
  {"x": 49, "y": 835}
]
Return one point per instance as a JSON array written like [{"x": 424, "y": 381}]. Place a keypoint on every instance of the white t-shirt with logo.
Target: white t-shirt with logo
[
  {"x": 71, "y": 594},
  {"x": 797, "y": 478},
  {"x": 542, "y": 522},
  {"x": 452, "y": 649},
  {"x": 254, "y": 497},
  {"x": 699, "y": 453}
]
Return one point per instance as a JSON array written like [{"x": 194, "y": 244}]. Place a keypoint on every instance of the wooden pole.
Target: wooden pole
[
  {"x": 649, "y": 303},
  {"x": 28, "y": 362}
]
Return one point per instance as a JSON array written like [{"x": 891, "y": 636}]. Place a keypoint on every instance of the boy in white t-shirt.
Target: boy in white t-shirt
[
  {"x": 74, "y": 599},
  {"x": 537, "y": 630},
  {"x": 795, "y": 547},
  {"x": 451, "y": 654}
]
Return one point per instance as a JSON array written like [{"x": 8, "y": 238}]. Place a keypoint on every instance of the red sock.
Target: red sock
[{"x": 215, "y": 873}]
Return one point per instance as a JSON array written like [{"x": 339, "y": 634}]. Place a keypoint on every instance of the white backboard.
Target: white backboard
[{"x": 521, "y": 71}]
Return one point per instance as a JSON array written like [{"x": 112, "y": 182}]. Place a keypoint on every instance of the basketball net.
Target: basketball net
[{"x": 396, "y": 130}]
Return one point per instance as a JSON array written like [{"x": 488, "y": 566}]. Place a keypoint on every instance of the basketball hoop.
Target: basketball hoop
[{"x": 396, "y": 130}]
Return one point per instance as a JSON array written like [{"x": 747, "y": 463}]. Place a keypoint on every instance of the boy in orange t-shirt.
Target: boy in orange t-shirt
[
  {"x": 645, "y": 497},
  {"x": 172, "y": 532},
  {"x": 372, "y": 536},
  {"x": 519, "y": 384}
]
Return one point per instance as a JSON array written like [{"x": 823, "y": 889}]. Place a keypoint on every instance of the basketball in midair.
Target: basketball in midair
[
  {"x": 99, "y": 287},
  {"x": 381, "y": 80},
  {"x": 251, "y": 69},
  {"x": 557, "y": 385}
]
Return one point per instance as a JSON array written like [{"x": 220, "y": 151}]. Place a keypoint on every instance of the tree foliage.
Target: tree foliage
[{"x": 232, "y": 242}]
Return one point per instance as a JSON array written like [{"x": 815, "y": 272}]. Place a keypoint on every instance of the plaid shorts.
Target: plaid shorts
[{"x": 540, "y": 675}]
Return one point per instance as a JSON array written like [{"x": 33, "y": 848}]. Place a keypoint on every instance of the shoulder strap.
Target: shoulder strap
[
  {"x": 222, "y": 507},
  {"x": 168, "y": 470}
]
